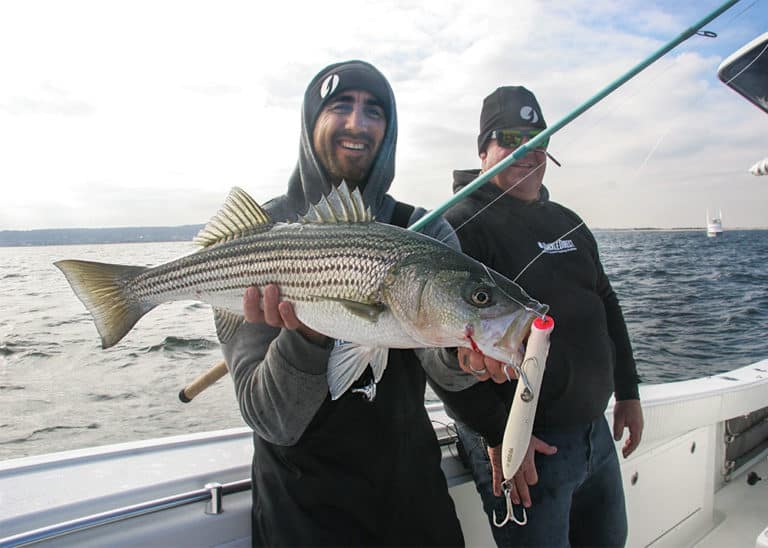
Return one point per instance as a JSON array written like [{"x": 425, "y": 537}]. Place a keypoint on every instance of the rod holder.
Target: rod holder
[{"x": 214, "y": 505}]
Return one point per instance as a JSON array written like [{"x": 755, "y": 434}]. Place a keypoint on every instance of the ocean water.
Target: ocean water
[{"x": 695, "y": 306}]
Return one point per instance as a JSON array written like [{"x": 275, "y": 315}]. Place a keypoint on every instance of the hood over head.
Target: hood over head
[{"x": 308, "y": 181}]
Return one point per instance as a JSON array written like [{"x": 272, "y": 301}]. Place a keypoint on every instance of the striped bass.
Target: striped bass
[{"x": 374, "y": 285}]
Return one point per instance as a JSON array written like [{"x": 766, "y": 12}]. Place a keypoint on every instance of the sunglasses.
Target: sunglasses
[{"x": 513, "y": 138}]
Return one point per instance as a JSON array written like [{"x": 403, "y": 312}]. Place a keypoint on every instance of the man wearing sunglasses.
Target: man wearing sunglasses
[{"x": 569, "y": 482}]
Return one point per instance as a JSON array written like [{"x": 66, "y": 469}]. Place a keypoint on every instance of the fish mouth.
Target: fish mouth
[{"x": 519, "y": 329}]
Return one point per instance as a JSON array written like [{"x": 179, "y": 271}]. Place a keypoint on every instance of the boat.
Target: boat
[
  {"x": 715, "y": 225},
  {"x": 699, "y": 478}
]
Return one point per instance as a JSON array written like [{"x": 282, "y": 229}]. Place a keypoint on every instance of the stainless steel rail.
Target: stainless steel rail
[{"x": 211, "y": 492}]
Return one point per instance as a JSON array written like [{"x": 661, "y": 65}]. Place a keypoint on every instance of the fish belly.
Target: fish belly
[{"x": 336, "y": 321}]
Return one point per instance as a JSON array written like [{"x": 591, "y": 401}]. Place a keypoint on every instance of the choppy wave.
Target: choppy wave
[
  {"x": 48, "y": 430},
  {"x": 110, "y": 397},
  {"x": 181, "y": 343},
  {"x": 32, "y": 354},
  {"x": 694, "y": 305}
]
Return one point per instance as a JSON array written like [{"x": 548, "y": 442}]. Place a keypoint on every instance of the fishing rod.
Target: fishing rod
[
  {"x": 216, "y": 372},
  {"x": 523, "y": 149}
]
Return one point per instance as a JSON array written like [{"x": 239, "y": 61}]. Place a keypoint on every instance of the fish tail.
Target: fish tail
[{"x": 105, "y": 291}]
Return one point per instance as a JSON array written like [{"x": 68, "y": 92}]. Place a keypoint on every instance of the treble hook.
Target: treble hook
[
  {"x": 527, "y": 394},
  {"x": 506, "y": 485}
]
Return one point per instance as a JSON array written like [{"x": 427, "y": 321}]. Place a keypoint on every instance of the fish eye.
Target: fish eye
[{"x": 481, "y": 296}]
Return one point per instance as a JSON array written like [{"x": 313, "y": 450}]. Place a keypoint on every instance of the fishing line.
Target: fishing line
[
  {"x": 695, "y": 101},
  {"x": 507, "y": 295},
  {"x": 487, "y": 270},
  {"x": 545, "y": 250},
  {"x": 736, "y": 16},
  {"x": 621, "y": 103},
  {"x": 651, "y": 152},
  {"x": 752, "y": 62},
  {"x": 497, "y": 198}
]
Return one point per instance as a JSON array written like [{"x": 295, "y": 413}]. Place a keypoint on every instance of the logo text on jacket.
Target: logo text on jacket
[{"x": 558, "y": 246}]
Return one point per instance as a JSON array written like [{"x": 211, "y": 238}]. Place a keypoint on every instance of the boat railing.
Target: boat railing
[{"x": 212, "y": 492}]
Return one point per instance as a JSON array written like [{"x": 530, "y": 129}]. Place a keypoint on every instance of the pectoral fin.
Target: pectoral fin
[{"x": 369, "y": 312}]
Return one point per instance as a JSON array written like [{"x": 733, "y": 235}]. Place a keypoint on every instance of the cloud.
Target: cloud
[
  {"x": 213, "y": 89},
  {"x": 109, "y": 110},
  {"x": 46, "y": 99}
]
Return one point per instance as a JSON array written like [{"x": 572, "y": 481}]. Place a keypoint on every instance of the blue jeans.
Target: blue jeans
[{"x": 579, "y": 499}]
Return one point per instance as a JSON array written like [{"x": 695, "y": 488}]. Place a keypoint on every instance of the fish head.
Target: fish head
[{"x": 457, "y": 301}]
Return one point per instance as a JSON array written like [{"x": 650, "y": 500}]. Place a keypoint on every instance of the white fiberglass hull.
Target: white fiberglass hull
[{"x": 675, "y": 491}]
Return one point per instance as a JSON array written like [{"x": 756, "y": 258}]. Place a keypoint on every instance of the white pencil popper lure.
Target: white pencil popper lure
[{"x": 517, "y": 434}]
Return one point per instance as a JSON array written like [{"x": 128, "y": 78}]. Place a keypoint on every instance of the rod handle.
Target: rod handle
[{"x": 202, "y": 382}]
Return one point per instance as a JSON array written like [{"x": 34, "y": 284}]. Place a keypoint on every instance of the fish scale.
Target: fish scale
[{"x": 296, "y": 257}]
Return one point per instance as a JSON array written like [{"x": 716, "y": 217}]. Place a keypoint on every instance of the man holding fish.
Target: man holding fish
[{"x": 364, "y": 468}]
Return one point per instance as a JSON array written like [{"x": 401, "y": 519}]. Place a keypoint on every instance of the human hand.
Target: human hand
[
  {"x": 526, "y": 475},
  {"x": 271, "y": 310},
  {"x": 494, "y": 455},
  {"x": 483, "y": 367},
  {"x": 628, "y": 414}
]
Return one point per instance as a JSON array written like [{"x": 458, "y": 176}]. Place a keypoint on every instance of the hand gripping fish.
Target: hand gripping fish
[{"x": 373, "y": 285}]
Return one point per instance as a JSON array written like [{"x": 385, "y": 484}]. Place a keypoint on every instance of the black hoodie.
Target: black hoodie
[
  {"x": 347, "y": 472},
  {"x": 590, "y": 355}
]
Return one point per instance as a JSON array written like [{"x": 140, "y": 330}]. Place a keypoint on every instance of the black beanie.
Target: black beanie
[
  {"x": 339, "y": 77},
  {"x": 507, "y": 107}
]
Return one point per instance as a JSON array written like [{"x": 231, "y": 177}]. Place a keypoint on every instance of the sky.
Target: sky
[{"x": 146, "y": 113}]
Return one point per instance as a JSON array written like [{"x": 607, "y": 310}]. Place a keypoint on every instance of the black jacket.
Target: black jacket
[
  {"x": 362, "y": 474},
  {"x": 590, "y": 355}
]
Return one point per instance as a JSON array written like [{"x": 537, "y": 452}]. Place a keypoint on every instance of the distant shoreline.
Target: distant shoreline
[
  {"x": 184, "y": 233},
  {"x": 92, "y": 236}
]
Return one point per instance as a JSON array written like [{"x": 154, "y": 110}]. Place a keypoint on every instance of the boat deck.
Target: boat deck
[{"x": 742, "y": 511}]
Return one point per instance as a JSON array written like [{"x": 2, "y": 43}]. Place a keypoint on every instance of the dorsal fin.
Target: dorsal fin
[
  {"x": 340, "y": 206},
  {"x": 239, "y": 215}
]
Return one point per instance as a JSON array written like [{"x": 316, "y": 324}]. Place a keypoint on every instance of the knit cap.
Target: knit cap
[
  {"x": 508, "y": 107},
  {"x": 340, "y": 77}
]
